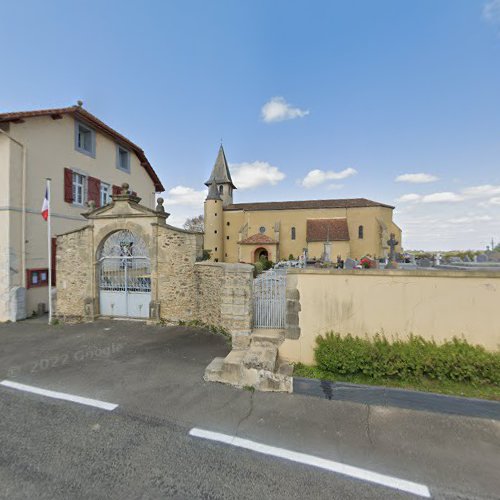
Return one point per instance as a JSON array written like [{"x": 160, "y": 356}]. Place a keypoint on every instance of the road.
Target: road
[{"x": 52, "y": 448}]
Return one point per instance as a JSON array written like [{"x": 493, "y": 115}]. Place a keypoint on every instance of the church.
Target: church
[{"x": 276, "y": 230}]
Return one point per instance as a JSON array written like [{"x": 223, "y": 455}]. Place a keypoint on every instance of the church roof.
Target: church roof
[
  {"x": 327, "y": 230},
  {"x": 220, "y": 173},
  {"x": 297, "y": 205},
  {"x": 213, "y": 193},
  {"x": 258, "y": 239}
]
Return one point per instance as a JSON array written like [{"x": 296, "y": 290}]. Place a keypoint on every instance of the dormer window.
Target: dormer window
[
  {"x": 122, "y": 159},
  {"x": 84, "y": 139}
]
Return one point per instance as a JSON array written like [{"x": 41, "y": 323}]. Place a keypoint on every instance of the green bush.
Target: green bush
[
  {"x": 258, "y": 267},
  {"x": 412, "y": 359}
]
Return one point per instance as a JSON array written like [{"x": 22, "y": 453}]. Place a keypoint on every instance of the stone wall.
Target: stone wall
[
  {"x": 75, "y": 280},
  {"x": 224, "y": 294},
  {"x": 436, "y": 305},
  {"x": 181, "y": 289},
  {"x": 177, "y": 252}
]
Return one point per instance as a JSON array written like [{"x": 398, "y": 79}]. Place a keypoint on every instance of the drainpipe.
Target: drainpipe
[{"x": 23, "y": 208}]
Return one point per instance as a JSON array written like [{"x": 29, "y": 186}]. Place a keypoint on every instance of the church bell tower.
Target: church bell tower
[{"x": 220, "y": 195}]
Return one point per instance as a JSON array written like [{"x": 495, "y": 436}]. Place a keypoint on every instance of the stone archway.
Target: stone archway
[
  {"x": 124, "y": 275},
  {"x": 261, "y": 253}
]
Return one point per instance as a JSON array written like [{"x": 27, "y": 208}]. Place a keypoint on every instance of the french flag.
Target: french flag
[{"x": 45, "y": 206}]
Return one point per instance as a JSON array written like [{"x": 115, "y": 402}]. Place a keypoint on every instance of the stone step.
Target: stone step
[
  {"x": 213, "y": 371},
  {"x": 261, "y": 357},
  {"x": 263, "y": 336}
]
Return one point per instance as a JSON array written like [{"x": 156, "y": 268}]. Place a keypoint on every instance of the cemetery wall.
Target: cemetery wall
[{"x": 433, "y": 304}]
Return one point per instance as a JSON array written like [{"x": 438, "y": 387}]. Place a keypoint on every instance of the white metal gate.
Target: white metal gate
[
  {"x": 269, "y": 300},
  {"x": 124, "y": 276}
]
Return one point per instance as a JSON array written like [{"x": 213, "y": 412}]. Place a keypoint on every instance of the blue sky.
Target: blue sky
[{"x": 313, "y": 99}]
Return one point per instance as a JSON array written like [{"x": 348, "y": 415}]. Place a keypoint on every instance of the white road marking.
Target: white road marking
[
  {"x": 59, "y": 395},
  {"x": 302, "y": 458}
]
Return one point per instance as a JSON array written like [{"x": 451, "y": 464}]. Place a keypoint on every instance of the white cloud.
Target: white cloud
[
  {"x": 182, "y": 195},
  {"x": 482, "y": 191},
  {"x": 494, "y": 201},
  {"x": 470, "y": 219},
  {"x": 410, "y": 197},
  {"x": 446, "y": 196},
  {"x": 419, "y": 178},
  {"x": 278, "y": 110},
  {"x": 250, "y": 175},
  {"x": 491, "y": 11},
  {"x": 316, "y": 177}
]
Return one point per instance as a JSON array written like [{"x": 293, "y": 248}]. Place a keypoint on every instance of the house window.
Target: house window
[
  {"x": 84, "y": 139},
  {"x": 105, "y": 194},
  {"x": 79, "y": 191},
  {"x": 360, "y": 232},
  {"x": 293, "y": 233},
  {"x": 37, "y": 277},
  {"x": 122, "y": 159}
]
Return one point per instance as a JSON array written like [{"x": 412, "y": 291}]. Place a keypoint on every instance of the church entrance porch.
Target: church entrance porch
[
  {"x": 261, "y": 254},
  {"x": 124, "y": 276}
]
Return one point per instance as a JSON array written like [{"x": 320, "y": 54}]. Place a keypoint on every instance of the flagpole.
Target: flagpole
[{"x": 49, "y": 248}]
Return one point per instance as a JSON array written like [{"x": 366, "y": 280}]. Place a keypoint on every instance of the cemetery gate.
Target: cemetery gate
[{"x": 269, "y": 299}]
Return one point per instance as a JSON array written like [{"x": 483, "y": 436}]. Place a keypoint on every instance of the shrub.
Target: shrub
[
  {"x": 258, "y": 267},
  {"x": 412, "y": 359}
]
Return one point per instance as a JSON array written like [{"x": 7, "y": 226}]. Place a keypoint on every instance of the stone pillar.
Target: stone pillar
[{"x": 292, "y": 308}]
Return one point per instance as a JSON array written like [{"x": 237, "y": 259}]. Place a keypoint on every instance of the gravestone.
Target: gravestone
[
  {"x": 350, "y": 263},
  {"x": 391, "y": 264},
  {"x": 467, "y": 258},
  {"x": 482, "y": 257},
  {"x": 455, "y": 260}
]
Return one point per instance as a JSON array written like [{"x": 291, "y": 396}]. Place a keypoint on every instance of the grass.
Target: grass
[{"x": 482, "y": 391}]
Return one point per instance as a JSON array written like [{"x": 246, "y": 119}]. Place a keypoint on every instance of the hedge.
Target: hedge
[{"x": 410, "y": 360}]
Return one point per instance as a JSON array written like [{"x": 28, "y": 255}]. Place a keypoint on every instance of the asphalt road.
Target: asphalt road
[{"x": 142, "y": 449}]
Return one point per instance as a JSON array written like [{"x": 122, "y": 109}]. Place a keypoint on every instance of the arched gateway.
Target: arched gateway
[{"x": 124, "y": 274}]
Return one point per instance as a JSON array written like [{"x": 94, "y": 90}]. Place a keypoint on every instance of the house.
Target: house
[
  {"x": 86, "y": 160},
  {"x": 246, "y": 232}
]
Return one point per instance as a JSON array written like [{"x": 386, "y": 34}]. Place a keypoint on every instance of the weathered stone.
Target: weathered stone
[{"x": 261, "y": 357}]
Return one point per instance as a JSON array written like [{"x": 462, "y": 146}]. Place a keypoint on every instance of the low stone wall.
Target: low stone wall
[
  {"x": 224, "y": 295},
  {"x": 433, "y": 304}
]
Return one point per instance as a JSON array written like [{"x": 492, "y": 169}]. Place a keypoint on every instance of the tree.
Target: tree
[{"x": 194, "y": 224}]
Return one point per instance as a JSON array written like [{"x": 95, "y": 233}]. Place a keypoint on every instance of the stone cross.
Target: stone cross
[{"x": 392, "y": 244}]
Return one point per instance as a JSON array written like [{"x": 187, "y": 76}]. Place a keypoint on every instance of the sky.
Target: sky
[{"x": 396, "y": 101}]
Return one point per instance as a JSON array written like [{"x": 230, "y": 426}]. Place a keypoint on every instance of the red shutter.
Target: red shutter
[
  {"x": 117, "y": 190},
  {"x": 68, "y": 185},
  {"x": 94, "y": 191},
  {"x": 54, "y": 250}
]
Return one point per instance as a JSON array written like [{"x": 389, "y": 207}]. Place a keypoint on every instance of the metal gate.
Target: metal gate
[
  {"x": 269, "y": 299},
  {"x": 124, "y": 276}
]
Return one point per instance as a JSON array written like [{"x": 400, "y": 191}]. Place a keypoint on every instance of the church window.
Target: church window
[
  {"x": 360, "y": 232},
  {"x": 227, "y": 237},
  {"x": 221, "y": 189},
  {"x": 216, "y": 249},
  {"x": 262, "y": 229},
  {"x": 215, "y": 231},
  {"x": 293, "y": 233},
  {"x": 228, "y": 223}
]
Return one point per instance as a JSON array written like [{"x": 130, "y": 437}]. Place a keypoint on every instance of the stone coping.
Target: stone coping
[
  {"x": 414, "y": 273},
  {"x": 226, "y": 265}
]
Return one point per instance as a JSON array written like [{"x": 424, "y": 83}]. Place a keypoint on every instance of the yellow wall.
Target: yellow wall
[
  {"x": 436, "y": 305},
  {"x": 356, "y": 248},
  {"x": 50, "y": 148}
]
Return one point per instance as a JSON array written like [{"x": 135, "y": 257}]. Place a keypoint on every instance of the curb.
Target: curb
[{"x": 399, "y": 398}]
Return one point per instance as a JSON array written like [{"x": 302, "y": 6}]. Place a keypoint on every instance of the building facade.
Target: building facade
[
  {"x": 245, "y": 232},
  {"x": 86, "y": 160}
]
